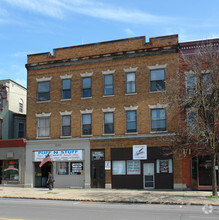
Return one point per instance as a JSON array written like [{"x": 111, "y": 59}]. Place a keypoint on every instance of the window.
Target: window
[
  {"x": 21, "y": 105},
  {"x": 86, "y": 87},
  {"x": 66, "y": 125},
  {"x": 43, "y": 91},
  {"x": 191, "y": 84},
  {"x": 108, "y": 84},
  {"x": 157, "y": 80},
  {"x": 133, "y": 167},
  {"x": 11, "y": 170},
  {"x": 43, "y": 126},
  {"x": 21, "y": 130},
  {"x": 62, "y": 168},
  {"x": 131, "y": 123},
  {"x": 76, "y": 168},
  {"x": 130, "y": 82},
  {"x": 109, "y": 123},
  {"x": 119, "y": 167},
  {"x": 158, "y": 120},
  {"x": 192, "y": 120},
  {"x": 66, "y": 89},
  {"x": 86, "y": 124},
  {"x": 207, "y": 83}
]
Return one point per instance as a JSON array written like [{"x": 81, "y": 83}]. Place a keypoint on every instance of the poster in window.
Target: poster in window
[
  {"x": 133, "y": 167},
  {"x": 164, "y": 166},
  {"x": 76, "y": 168}
]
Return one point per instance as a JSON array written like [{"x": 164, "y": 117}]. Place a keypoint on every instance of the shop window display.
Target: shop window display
[{"x": 11, "y": 170}]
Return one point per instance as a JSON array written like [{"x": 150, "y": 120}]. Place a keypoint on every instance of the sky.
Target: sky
[{"x": 37, "y": 26}]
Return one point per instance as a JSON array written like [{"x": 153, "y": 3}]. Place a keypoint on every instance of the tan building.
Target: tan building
[{"x": 103, "y": 100}]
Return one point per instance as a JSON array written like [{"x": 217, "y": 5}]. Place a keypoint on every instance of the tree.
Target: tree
[{"x": 194, "y": 93}]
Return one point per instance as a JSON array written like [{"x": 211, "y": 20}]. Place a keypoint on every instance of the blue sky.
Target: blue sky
[{"x": 36, "y": 26}]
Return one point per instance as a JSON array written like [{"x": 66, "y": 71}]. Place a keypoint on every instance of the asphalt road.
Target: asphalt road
[{"x": 18, "y": 209}]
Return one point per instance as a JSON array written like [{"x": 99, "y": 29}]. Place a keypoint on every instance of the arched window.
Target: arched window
[{"x": 21, "y": 105}]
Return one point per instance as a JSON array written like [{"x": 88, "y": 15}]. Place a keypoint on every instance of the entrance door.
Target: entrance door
[
  {"x": 41, "y": 174},
  {"x": 148, "y": 176}
]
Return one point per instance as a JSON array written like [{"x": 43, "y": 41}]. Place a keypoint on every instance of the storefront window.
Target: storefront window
[
  {"x": 194, "y": 171},
  {"x": 76, "y": 168},
  {"x": 11, "y": 170},
  {"x": 62, "y": 168},
  {"x": 133, "y": 167},
  {"x": 119, "y": 168}
]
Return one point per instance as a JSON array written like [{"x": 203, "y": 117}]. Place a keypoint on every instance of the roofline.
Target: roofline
[{"x": 13, "y": 82}]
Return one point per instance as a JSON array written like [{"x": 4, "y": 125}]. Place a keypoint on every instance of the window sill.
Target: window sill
[
  {"x": 131, "y": 133},
  {"x": 158, "y": 132},
  {"x": 135, "y": 93},
  {"x": 43, "y": 101},
  {"x": 86, "y": 135},
  {"x": 65, "y": 99},
  {"x": 105, "y": 96},
  {"x": 43, "y": 138},
  {"x": 65, "y": 136},
  {"x": 157, "y": 91},
  {"x": 113, "y": 134},
  {"x": 86, "y": 97}
]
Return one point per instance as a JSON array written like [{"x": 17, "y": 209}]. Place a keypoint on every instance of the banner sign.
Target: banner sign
[
  {"x": 139, "y": 152},
  {"x": 61, "y": 155}
]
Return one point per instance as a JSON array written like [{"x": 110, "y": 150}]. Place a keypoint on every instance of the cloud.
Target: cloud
[
  {"x": 21, "y": 54},
  {"x": 129, "y": 31},
  {"x": 61, "y": 8}
]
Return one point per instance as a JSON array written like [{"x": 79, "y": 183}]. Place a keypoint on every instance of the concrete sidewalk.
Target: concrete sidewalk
[{"x": 112, "y": 195}]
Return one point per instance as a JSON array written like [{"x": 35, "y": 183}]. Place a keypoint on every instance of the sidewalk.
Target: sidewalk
[{"x": 112, "y": 195}]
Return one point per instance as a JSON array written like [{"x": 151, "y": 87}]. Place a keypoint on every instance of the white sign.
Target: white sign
[
  {"x": 139, "y": 152},
  {"x": 61, "y": 155},
  {"x": 107, "y": 165}
]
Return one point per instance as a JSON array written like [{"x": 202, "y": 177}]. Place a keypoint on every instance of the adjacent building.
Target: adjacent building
[
  {"x": 96, "y": 110},
  {"x": 12, "y": 132}
]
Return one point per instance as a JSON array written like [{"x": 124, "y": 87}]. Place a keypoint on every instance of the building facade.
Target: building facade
[
  {"x": 12, "y": 132},
  {"x": 95, "y": 109}
]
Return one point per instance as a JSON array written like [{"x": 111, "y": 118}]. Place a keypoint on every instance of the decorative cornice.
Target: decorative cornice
[
  {"x": 157, "y": 66},
  {"x": 157, "y": 106},
  {"x": 86, "y": 74},
  {"x": 86, "y": 111},
  {"x": 43, "y": 79},
  {"x": 108, "y": 109},
  {"x": 66, "y": 76},
  {"x": 131, "y": 69},
  {"x": 131, "y": 108},
  {"x": 43, "y": 114},
  {"x": 65, "y": 113},
  {"x": 108, "y": 72}
]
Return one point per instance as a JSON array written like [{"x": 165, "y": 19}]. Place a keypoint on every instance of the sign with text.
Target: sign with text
[
  {"x": 61, "y": 155},
  {"x": 107, "y": 165},
  {"x": 139, "y": 152}
]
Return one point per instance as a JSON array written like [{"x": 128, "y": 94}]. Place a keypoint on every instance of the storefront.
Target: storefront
[
  {"x": 69, "y": 163},
  {"x": 201, "y": 173}
]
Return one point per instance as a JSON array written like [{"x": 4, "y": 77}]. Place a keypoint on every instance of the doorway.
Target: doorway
[
  {"x": 41, "y": 174},
  {"x": 148, "y": 176}
]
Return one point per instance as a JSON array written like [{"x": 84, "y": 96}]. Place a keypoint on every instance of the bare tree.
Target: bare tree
[{"x": 193, "y": 92}]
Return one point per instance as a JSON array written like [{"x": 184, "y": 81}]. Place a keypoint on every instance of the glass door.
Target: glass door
[{"x": 148, "y": 176}]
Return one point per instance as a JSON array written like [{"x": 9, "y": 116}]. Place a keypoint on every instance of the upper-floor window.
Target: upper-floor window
[
  {"x": 207, "y": 83},
  {"x": 86, "y": 124},
  {"x": 158, "y": 119},
  {"x": 43, "y": 91},
  {"x": 21, "y": 130},
  {"x": 66, "y": 88},
  {"x": 157, "y": 80},
  {"x": 191, "y": 84},
  {"x": 21, "y": 105},
  {"x": 192, "y": 122},
  {"x": 66, "y": 125},
  {"x": 86, "y": 87},
  {"x": 131, "y": 121},
  {"x": 108, "y": 123},
  {"x": 108, "y": 84},
  {"x": 131, "y": 82},
  {"x": 43, "y": 126}
]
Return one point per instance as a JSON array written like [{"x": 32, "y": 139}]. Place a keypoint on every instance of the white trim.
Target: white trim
[
  {"x": 43, "y": 79},
  {"x": 170, "y": 163},
  {"x": 107, "y": 72},
  {"x": 157, "y": 66},
  {"x": 86, "y": 74},
  {"x": 131, "y": 108},
  {"x": 131, "y": 69},
  {"x": 65, "y": 113},
  {"x": 108, "y": 109},
  {"x": 190, "y": 72},
  {"x": 66, "y": 76},
  {"x": 43, "y": 114},
  {"x": 157, "y": 106},
  {"x": 86, "y": 111}
]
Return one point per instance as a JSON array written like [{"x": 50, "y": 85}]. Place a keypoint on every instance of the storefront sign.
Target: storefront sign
[
  {"x": 63, "y": 155},
  {"x": 139, "y": 152},
  {"x": 107, "y": 165}
]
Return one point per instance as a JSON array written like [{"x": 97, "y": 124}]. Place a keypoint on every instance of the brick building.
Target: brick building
[{"x": 95, "y": 109}]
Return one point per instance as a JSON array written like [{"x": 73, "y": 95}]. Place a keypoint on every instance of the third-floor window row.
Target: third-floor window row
[
  {"x": 156, "y": 84},
  {"x": 157, "y": 121}
]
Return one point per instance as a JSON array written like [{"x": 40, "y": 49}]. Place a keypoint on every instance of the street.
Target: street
[{"x": 28, "y": 209}]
